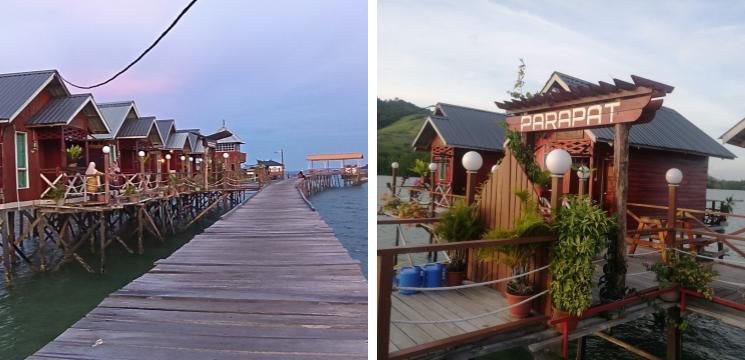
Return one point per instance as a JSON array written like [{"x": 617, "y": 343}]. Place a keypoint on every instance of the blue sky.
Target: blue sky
[
  {"x": 286, "y": 75},
  {"x": 467, "y": 52}
]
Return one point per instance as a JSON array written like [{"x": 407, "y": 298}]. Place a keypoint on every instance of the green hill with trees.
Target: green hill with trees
[{"x": 398, "y": 123}]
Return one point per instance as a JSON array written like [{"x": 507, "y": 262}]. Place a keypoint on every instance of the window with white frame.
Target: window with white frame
[{"x": 22, "y": 160}]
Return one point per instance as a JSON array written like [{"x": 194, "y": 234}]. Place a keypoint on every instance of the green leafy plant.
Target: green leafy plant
[
  {"x": 129, "y": 190},
  {"x": 173, "y": 180},
  {"x": 524, "y": 155},
  {"x": 57, "y": 192},
  {"x": 685, "y": 271},
  {"x": 390, "y": 204},
  {"x": 74, "y": 152},
  {"x": 517, "y": 256},
  {"x": 582, "y": 228},
  {"x": 459, "y": 223},
  {"x": 420, "y": 168},
  {"x": 411, "y": 209}
]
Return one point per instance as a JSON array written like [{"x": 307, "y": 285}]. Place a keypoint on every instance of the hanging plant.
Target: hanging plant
[{"x": 524, "y": 155}]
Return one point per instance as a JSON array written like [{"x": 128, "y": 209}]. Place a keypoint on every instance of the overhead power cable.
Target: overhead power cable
[{"x": 162, "y": 35}]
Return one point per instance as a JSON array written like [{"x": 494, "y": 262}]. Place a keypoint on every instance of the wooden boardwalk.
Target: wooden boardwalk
[{"x": 268, "y": 281}]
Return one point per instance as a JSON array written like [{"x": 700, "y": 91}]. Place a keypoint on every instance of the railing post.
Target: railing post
[
  {"x": 385, "y": 287},
  {"x": 673, "y": 177},
  {"x": 394, "y": 169}
]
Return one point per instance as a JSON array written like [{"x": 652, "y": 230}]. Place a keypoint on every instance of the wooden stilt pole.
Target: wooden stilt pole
[
  {"x": 141, "y": 248},
  {"x": 42, "y": 242},
  {"x": 673, "y": 334},
  {"x": 621, "y": 165},
  {"x": 6, "y": 249},
  {"x": 102, "y": 235}
]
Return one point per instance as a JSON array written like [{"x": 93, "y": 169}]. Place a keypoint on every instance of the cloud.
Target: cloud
[{"x": 467, "y": 53}]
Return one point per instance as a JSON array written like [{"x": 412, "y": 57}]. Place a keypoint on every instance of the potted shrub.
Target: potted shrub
[
  {"x": 131, "y": 193},
  {"x": 517, "y": 257},
  {"x": 582, "y": 229},
  {"x": 173, "y": 184},
  {"x": 683, "y": 271},
  {"x": 726, "y": 207},
  {"x": 459, "y": 223},
  {"x": 411, "y": 210},
  {"x": 74, "y": 153},
  {"x": 57, "y": 193}
]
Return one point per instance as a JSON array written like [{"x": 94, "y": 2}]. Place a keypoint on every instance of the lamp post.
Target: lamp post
[
  {"x": 183, "y": 163},
  {"x": 394, "y": 168},
  {"x": 282, "y": 160},
  {"x": 472, "y": 162},
  {"x": 225, "y": 168},
  {"x": 188, "y": 165},
  {"x": 673, "y": 177},
  {"x": 106, "y": 195},
  {"x": 558, "y": 163},
  {"x": 432, "y": 169},
  {"x": 168, "y": 164},
  {"x": 583, "y": 173}
]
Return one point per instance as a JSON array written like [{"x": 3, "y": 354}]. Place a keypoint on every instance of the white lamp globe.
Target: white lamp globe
[
  {"x": 106, "y": 149},
  {"x": 141, "y": 153},
  {"x": 674, "y": 176},
  {"x": 432, "y": 166},
  {"x": 394, "y": 165},
  {"x": 199, "y": 160},
  {"x": 191, "y": 159},
  {"x": 168, "y": 156},
  {"x": 472, "y": 161},
  {"x": 494, "y": 168},
  {"x": 558, "y": 162},
  {"x": 225, "y": 155},
  {"x": 583, "y": 172},
  {"x": 183, "y": 157}
]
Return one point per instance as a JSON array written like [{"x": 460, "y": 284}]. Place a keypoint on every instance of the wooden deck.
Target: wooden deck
[
  {"x": 268, "y": 281},
  {"x": 442, "y": 305}
]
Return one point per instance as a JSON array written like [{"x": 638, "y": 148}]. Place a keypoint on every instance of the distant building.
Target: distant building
[{"x": 275, "y": 169}]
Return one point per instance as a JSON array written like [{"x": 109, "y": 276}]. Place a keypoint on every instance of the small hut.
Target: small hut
[{"x": 449, "y": 133}]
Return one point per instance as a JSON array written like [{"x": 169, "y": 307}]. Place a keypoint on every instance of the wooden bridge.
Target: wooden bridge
[{"x": 269, "y": 280}]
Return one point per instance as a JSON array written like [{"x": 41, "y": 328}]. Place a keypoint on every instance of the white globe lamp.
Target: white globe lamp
[
  {"x": 472, "y": 161},
  {"x": 558, "y": 162},
  {"x": 106, "y": 149},
  {"x": 583, "y": 172},
  {"x": 168, "y": 156},
  {"x": 674, "y": 177},
  {"x": 141, "y": 154},
  {"x": 394, "y": 165}
]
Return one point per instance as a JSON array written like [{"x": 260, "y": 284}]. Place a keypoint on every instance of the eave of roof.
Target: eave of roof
[
  {"x": 735, "y": 135},
  {"x": 17, "y": 90}
]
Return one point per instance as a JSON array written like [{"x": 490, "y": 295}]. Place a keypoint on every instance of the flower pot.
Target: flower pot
[
  {"x": 60, "y": 202},
  {"x": 671, "y": 297},
  {"x": 571, "y": 322},
  {"x": 455, "y": 278},
  {"x": 134, "y": 198},
  {"x": 522, "y": 310}
]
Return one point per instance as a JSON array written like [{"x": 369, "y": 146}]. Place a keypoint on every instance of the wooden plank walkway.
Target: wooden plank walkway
[
  {"x": 269, "y": 281},
  {"x": 442, "y": 305}
]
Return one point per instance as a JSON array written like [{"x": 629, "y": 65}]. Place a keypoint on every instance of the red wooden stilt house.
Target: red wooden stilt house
[
  {"x": 451, "y": 132},
  {"x": 39, "y": 120}
]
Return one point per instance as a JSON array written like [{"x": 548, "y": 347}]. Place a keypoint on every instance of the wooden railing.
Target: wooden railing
[{"x": 386, "y": 265}]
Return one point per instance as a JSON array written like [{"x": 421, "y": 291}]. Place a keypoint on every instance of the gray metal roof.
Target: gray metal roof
[
  {"x": 17, "y": 89},
  {"x": 114, "y": 113},
  {"x": 463, "y": 127},
  {"x": 60, "y": 110},
  {"x": 669, "y": 130},
  {"x": 164, "y": 127},
  {"x": 735, "y": 135},
  {"x": 136, "y": 128},
  {"x": 232, "y": 139},
  {"x": 177, "y": 140}
]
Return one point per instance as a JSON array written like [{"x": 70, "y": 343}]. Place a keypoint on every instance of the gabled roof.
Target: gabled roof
[
  {"x": 138, "y": 128},
  {"x": 669, "y": 130},
  {"x": 232, "y": 139},
  {"x": 564, "y": 81},
  {"x": 18, "y": 89},
  {"x": 194, "y": 141},
  {"x": 62, "y": 111},
  {"x": 268, "y": 163},
  {"x": 177, "y": 141},
  {"x": 165, "y": 127},
  {"x": 114, "y": 114},
  {"x": 735, "y": 135},
  {"x": 463, "y": 127}
]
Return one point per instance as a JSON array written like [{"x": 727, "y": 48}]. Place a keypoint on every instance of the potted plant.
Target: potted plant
[
  {"x": 517, "y": 257},
  {"x": 173, "y": 184},
  {"x": 74, "y": 153},
  {"x": 683, "y": 271},
  {"x": 131, "y": 193},
  {"x": 726, "y": 208},
  {"x": 582, "y": 229},
  {"x": 459, "y": 223},
  {"x": 411, "y": 210},
  {"x": 57, "y": 193}
]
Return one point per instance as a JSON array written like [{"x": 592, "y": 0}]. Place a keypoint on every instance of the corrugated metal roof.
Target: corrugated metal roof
[
  {"x": 60, "y": 110},
  {"x": 735, "y": 135},
  {"x": 18, "y": 88},
  {"x": 136, "y": 128},
  {"x": 164, "y": 127},
  {"x": 198, "y": 148},
  {"x": 177, "y": 140},
  {"x": 232, "y": 139},
  {"x": 268, "y": 163},
  {"x": 669, "y": 130},
  {"x": 463, "y": 127},
  {"x": 340, "y": 156},
  {"x": 114, "y": 113}
]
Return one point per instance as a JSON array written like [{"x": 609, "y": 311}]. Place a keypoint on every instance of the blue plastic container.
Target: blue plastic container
[
  {"x": 432, "y": 275},
  {"x": 409, "y": 276}
]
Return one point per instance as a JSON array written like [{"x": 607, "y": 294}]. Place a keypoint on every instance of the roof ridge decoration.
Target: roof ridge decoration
[{"x": 604, "y": 104}]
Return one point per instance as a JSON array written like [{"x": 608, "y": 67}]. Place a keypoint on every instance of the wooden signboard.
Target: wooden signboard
[{"x": 598, "y": 114}]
